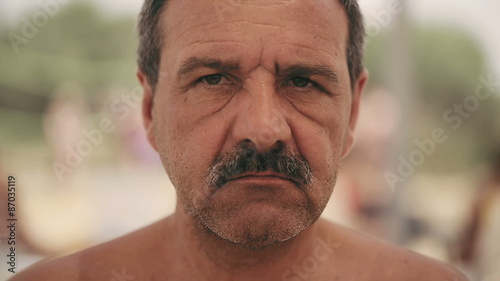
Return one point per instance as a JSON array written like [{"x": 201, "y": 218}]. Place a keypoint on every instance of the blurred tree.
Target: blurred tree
[
  {"x": 447, "y": 66},
  {"x": 79, "y": 44}
]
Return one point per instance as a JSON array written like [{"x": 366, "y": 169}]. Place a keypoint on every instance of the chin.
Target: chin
[{"x": 257, "y": 225}]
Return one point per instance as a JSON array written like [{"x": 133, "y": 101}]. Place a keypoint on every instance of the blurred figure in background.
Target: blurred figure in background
[
  {"x": 65, "y": 119},
  {"x": 122, "y": 107},
  {"x": 65, "y": 187},
  {"x": 362, "y": 180},
  {"x": 481, "y": 247}
]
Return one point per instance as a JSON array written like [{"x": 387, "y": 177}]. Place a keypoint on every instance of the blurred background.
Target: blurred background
[{"x": 425, "y": 172}]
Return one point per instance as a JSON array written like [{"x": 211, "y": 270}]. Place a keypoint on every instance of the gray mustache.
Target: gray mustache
[{"x": 243, "y": 159}]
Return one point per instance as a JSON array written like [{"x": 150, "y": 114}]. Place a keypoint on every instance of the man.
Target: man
[{"x": 251, "y": 105}]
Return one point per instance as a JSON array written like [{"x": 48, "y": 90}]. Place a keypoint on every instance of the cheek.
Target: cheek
[
  {"x": 319, "y": 150},
  {"x": 188, "y": 139},
  {"x": 319, "y": 134}
]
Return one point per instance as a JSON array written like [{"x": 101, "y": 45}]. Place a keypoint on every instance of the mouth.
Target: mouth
[{"x": 263, "y": 177}]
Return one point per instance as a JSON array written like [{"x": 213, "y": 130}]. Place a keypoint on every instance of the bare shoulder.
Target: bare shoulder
[
  {"x": 120, "y": 259},
  {"x": 95, "y": 263},
  {"x": 378, "y": 260}
]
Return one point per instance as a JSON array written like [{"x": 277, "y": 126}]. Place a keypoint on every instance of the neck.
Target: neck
[{"x": 209, "y": 256}]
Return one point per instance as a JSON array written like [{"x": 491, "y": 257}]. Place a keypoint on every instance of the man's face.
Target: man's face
[{"x": 262, "y": 79}]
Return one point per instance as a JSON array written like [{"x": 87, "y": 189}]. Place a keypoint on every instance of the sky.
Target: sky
[{"x": 481, "y": 18}]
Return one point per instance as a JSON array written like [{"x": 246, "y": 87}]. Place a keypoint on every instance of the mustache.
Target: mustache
[{"x": 243, "y": 159}]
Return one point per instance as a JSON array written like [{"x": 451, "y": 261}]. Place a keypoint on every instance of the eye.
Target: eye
[
  {"x": 300, "y": 82},
  {"x": 214, "y": 79},
  {"x": 304, "y": 85}
]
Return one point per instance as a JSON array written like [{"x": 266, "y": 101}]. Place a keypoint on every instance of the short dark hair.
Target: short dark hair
[{"x": 150, "y": 39}]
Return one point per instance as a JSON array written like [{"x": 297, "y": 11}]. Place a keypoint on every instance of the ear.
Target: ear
[
  {"x": 147, "y": 108},
  {"x": 359, "y": 87}
]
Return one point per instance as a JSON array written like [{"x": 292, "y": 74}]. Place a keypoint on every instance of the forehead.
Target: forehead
[{"x": 279, "y": 29}]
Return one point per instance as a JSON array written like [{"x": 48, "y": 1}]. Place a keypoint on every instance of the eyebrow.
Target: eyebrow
[
  {"x": 300, "y": 69},
  {"x": 194, "y": 63},
  {"x": 306, "y": 70}
]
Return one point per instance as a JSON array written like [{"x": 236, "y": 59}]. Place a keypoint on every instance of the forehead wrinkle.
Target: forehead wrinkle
[
  {"x": 201, "y": 42},
  {"x": 321, "y": 22},
  {"x": 297, "y": 26},
  {"x": 183, "y": 32},
  {"x": 284, "y": 3},
  {"x": 206, "y": 25},
  {"x": 314, "y": 49},
  {"x": 256, "y": 23}
]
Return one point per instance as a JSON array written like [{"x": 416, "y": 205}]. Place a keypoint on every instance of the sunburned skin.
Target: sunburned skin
[{"x": 262, "y": 76}]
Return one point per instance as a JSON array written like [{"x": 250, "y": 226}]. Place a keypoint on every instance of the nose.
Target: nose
[{"x": 261, "y": 121}]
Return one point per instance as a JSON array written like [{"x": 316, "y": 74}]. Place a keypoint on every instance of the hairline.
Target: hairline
[{"x": 152, "y": 74}]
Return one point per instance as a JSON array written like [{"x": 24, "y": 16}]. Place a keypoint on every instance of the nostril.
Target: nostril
[
  {"x": 260, "y": 129},
  {"x": 246, "y": 144}
]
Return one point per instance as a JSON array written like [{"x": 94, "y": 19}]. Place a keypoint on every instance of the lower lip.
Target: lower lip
[
  {"x": 262, "y": 180},
  {"x": 261, "y": 188}
]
